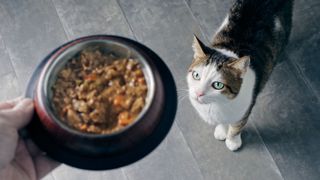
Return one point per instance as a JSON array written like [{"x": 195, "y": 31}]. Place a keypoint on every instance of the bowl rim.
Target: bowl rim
[{"x": 58, "y": 56}]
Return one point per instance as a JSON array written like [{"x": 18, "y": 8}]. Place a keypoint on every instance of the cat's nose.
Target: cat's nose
[{"x": 199, "y": 94}]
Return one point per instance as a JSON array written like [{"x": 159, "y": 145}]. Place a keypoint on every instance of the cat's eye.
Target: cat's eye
[
  {"x": 195, "y": 75},
  {"x": 217, "y": 85}
]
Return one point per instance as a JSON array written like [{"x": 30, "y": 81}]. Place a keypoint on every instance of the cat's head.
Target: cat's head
[{"x": 214, "y": 76}]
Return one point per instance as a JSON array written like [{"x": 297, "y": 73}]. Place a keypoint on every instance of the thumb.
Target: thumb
[{"x": 20, "y": 115}]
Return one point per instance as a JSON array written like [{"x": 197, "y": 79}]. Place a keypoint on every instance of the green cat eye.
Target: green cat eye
[
  {"x": 195, "y": 75},
  {"x": 217, "y": 85}
]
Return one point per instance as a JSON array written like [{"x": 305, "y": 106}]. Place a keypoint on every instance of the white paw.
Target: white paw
[
  {"x": 220, "y": 132},
  {"x": 234, "y": 143}
]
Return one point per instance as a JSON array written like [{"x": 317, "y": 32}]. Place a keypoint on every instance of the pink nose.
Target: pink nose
[{"x": 199, "y": 94}]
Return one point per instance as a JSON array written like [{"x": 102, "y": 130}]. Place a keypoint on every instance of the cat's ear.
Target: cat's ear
[
  {"x": 198, "y": 47},
  {"x": 240, "y": 64}
]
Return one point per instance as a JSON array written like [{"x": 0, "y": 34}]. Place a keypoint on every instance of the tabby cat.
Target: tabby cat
[{"x": 226, "y": 77}]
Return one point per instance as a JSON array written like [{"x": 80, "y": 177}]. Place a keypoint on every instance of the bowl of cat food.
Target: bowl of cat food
[{"x": 101, "y": 102}]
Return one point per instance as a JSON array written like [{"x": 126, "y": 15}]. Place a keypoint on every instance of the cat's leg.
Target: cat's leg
[
  {"x": 233, "y": 139},
  {"x": 220, "y": 132}
]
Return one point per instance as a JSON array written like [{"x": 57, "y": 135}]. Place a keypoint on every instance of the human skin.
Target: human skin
[{"x": 20, "y": 159}]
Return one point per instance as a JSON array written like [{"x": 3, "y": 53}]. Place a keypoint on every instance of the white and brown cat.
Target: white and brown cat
[{"x": 225, "y": 78}]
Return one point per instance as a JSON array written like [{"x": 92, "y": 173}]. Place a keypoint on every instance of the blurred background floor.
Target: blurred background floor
[{"x": 281, "y": 140}]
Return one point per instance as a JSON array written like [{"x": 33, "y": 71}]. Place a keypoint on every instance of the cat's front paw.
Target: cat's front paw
[
  {"x": 234, "y": 143},
  {"x": 220, "y": 132}
]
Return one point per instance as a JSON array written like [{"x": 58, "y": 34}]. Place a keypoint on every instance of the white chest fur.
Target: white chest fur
[{"x": 231, "y": 111}]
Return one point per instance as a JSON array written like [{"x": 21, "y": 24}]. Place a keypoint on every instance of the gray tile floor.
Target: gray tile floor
[{"x": 281, "y": 140}]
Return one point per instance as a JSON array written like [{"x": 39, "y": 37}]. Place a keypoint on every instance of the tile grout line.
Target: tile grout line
[
  {"x": 15, "y": 75},
  {"x": 10, "y": 59},
  {"x": 126, "y": 19},
  {"x": 296, "y": 67},
  {"x": 11, "y": 62},
  {"x": 67, "y": 36},
  {"x": 7, "y": 73},
  {"x": 266, "y": 148},
  {"x": 196, "y": 21},
  {"x": 192, "y": 153},
  {"x": 257, "y": 131},
  {"x": 124, "y": 174},
  {"x": 52, "y": 175},
  {"x": 300, "y": 75}
]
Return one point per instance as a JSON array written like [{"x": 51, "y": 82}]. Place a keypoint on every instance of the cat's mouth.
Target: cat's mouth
[{"x": 200, "y": 100}]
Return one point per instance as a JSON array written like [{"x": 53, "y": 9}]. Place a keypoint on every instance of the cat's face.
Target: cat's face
[{"x": 213, "y": 77}]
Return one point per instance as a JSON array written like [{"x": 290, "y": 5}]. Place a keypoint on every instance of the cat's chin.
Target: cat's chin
[
  {"x": 199, "y": 101},
  {"x": 202, "y": 102}
]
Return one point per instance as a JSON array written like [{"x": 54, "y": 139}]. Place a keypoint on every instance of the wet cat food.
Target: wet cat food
[{"x": 99, "y": 93}]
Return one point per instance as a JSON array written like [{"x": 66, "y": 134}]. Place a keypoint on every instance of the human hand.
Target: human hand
[{"x": 20, "y": 159}]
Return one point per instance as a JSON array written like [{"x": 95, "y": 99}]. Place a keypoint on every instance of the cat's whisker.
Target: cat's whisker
[
  {"x": 182, "y": 94},
  {"x": 181, "y": 98},
  {"x": 182, "y": 90}
]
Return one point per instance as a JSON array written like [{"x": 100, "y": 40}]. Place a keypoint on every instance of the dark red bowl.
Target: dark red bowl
[{"x": 102, "y": 151}]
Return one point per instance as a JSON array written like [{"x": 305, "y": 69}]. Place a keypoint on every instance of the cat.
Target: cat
[{"x": 225, "y": 78}]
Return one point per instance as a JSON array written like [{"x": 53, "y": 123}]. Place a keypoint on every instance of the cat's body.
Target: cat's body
[{"x": 225, "y": 78}]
